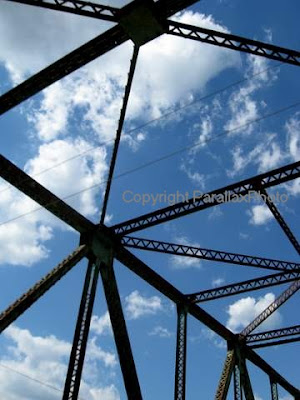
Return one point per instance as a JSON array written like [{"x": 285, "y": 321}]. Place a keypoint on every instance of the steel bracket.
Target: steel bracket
[{"x": 140, "y": 21}]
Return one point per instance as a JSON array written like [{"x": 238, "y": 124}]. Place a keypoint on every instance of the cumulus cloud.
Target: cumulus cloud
[
  {"x": 97, "y": 90},
  {"x": 243, "y": 106},
  {"x": 101, "y": 325},
  {"x": 138, "y": 305},
  {"x": 245, "y": 310},
  {"x": 23, "y": 241},
  {"x": 259, "y": 215},
  {"x": 45, "y": 359}
]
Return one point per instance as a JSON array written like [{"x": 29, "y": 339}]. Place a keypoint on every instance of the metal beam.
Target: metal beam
[
  {"x": 245, "y": 378},
  {"x": 63, "y": 67},
  {"x": 207, "y": 254},
  {"x": 86, "y": 53},
  {"x": 154, "y": 279},
  {"x": 207, "y": 200},
  {"x": 40, "y": 288},
  {"x": 245, "y": 286},
  {"x": 120, "y": 332},
  {"x": 147, "y": 274},
  {"x": 119, "y": 131},
  {"x": 273, "y": 334},
  {"x": 72, "y": 383},
  {"x": 284, "y": 226},
  {"x": 274, "y": 390},
  {"x": 292, "y": 289},
  {"x": 30, "y": 187},
  {"x": 180, "y": 368},
  {"x": 78, "y": 7},
  {"x": 275, "y": 343},
  {"x": 237, "y": 388},
  {"x": 224, "y": 381},
  {"x": 234, "y": 42},
  {"x": 270, "y": 371}
]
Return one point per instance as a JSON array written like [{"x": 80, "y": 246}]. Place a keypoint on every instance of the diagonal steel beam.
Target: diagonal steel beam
[
  {"x": 40, "y": 288},
  {"x": 207, "y": 254},
  {"x": 120, "y": 332},
  {"x": 143, "y": 271},
  {"x": 234, "y": 42},
  {"x": 73, "y": 378},
  {"x": 86, "y": 53},
  {"x": 78, "y": 7},
  {"x": 180, "y": 368},
  {"x": 292, "y": 289},
  {"x": 242, "y": 287},
  {"x": 284, "y": 226},
  {"x": 119, "y": 131},
  {"x": 204, "y": 201},
  {"x": 63, "y": 67},
  {"x": 269, "y": 370},
  {"x": 30, "y": 187},
  {"x": 225, "y": 379},
  {"x": 273, "y": 334}
]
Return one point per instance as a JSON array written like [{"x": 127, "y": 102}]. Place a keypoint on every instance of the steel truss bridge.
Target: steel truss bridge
[{"x": 142, "y": 21}]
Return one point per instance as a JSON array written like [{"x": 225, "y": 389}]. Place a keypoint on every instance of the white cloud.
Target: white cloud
[
  {"x": 22, "y": 242},
  {"x": 101, "y": 325},
  {"x": 45, "y": 359},
  {"x": 183, "y": 262},
  {"x": 259, "y": 215},
  {"x": 161, "y": 332},
  {"x": 97, "y": 90},
  {"x": 245, "y": 310},
  {"x": 244, "y": 108},
  {"x": 138, "y": 305},
  {"x": 218, "y": 282}
]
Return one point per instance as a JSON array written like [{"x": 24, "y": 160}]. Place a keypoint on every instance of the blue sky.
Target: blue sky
[{"x": 70, "y": 127}]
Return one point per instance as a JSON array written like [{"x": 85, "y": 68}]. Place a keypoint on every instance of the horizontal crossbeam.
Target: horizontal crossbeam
[
  {"x": 30, "y": 187},
  {"x": 207, "y": 254},
  {"x": 234, "y": 42},
  {"x": 273, "y": 334},
  {"x": 245, "y": 286},
  {"x": 40, "y": 288},
  {"x": 78, "y": 7},
  {"x": 207, "y": 200}
]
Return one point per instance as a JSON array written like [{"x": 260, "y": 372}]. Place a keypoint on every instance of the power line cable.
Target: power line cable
[
  {"x": 165, "y": 115},
  {"x": 48, "y": 385},
  {"x": 166, "y": 156}
]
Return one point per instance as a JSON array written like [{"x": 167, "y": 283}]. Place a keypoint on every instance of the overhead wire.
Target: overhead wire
[
  {"x": 166, "y": 156},
  {"x": 48, "y": 385},
  {"x": 165, "y": 115}
]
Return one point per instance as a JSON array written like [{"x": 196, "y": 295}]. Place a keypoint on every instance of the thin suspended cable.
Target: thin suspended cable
[{"x": 166, "y": 156}]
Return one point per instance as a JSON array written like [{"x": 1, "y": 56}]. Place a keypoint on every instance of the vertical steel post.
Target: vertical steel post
[
  {"x": 238, "y": 394},
  {"x": 274, "y": 390},
  {"x": 122, "y": 341},
  {"x": 245, "y": 379},
  {"x": 180, "y": 368},
  {"x": 77, "y": 356}
]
